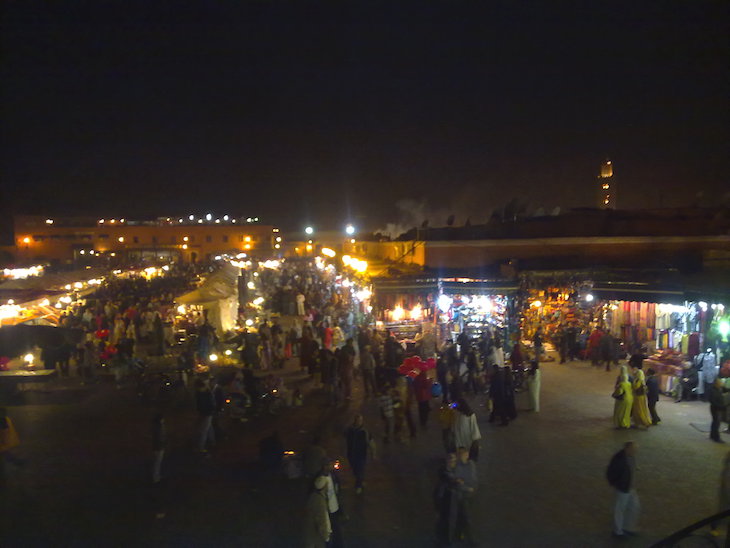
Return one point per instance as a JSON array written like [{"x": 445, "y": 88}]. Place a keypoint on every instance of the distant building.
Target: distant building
[
  {"x": 60, "y": 240},
  {"x": 606, "y": 187}
]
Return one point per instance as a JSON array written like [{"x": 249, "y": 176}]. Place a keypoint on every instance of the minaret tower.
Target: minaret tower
[{"x": 606, "y": 187}]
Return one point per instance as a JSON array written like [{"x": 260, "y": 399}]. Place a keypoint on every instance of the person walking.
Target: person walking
[
  {"x": 367, "y": 368},
  {"x": 205, "y": 404},
  {"x": 159, "y": 442},
  {"x": 533, "y": 386},
  {"x": 723, "y": 495},
  {"x": 497, "y": 396},
  {"x": 640, "y": 407},
  {"x": 466, "y": 429},
  {"x": 445, "y": 501},
  {"x": 317, "y": 524},
  {"x": 359, "y": 445},
  {"x": 8, "y": 440},
  {"x": 652, "y": 395},
  {"x": 387, "y": 413},
  {"x": 422, "y": 385},
  {"x": 465, "y": 476},
  {"x": 621, "y": 476},
  {"x": 623, "y": 396},
  {"x": 718, "y": 403}
]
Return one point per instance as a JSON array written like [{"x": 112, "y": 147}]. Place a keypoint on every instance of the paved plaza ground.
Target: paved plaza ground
[{"x": 85, "y": 482}]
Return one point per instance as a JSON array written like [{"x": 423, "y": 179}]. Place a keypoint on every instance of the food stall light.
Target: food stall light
[
  {"x": 346, "y": 259},
  {"x": 78, "y": 285},
  {"x": 65, "y": 299},
  {"x": 217, "y": 221},
  {"x": 28, "y": 358},
  {"x": 181, "y": 309},
  {"x": 200, "y": 221},
  {"x": 309, "y": 230},
  {"x": 309, "y": 247},
  {"x": 724, "y": 328},
  {"x": 49, "y": 221},
  {"x": 278, "y": 238},
  {"x": 328, "y": 252},
  {"x": 112, "y": 254},
  {"x": 67, "y": 287},
  {"x": 26, "y": 240},
  {"x": 225, "y": 217},
  {"x": 166, "y": 267},
  {"x": 208, "y": 217},
  {"x": 258, "y": 301},
  {"x": 416, "y": 312},
  {"x": 352, "y": 240},
  {"x": 350, "y": 230},
  {"x": 11, "y": 301},
  {"x": 213, "y": 357},
  {"x": 241, "y": 256},
  {"x": 58, "y": 305},
  {"x": 121, "y": 220},
  {"x": 256, "y": 274},
  {"x": 191, "y": 217},
  {"x": 536, "y": 304},
  {"x": 444, "y": 303},
  {"x": 82, "y": 252},
  {"x": 703, "y": 305},
  {"x": 589, "y": 297},
  {"x": 45, "y": 302},
  {"x": 251, "y": 285},
  {"x": 398, "y": 313},
  {"x": 228, "y": 352},
  {"x": 249, "y": 323},
  {"x": 180, "y": 220},
  {"x": 271, "y": 264},
  {"x": 277, "y": 246},
  {"x": 217, "y": 258},
  {"x": 363, "y": 294},
  {"x": 185, "y": 246}
]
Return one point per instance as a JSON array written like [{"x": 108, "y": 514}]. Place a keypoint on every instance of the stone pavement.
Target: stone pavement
[{"x": 542, "y": 478}]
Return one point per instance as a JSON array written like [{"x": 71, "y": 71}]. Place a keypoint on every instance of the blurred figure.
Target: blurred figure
[
  {"x": 359, "y": 446},
  {"x": 465, "y": 476},
  {"x": 159, "y": 442},
  {"x": 640, "y": 408},
  {"x": 533, "y": 386},
  {"x": 723, "y": 495},
  {"x": 422, "y": 386},
  {"x": 466, "y": 429},
  {"x": 652, "y": 395},
  {"x": 317, "y": 524},
  {"x": 620, "y": 475}
]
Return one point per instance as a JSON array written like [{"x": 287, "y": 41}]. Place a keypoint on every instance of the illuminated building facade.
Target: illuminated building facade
[
  {"x": 607, "y": 187},
  {"x": 39, "y": 239}
]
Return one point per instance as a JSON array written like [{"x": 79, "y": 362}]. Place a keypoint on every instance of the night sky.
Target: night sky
[{"x": 322, "y": 112}]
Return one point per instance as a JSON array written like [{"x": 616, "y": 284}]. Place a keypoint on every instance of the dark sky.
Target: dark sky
[{"x": 322, "y": 111}]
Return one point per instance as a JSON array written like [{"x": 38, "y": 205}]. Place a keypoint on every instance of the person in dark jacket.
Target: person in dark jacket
[
  {"x": 445, "y": 501},
  {"x": 717, "y": 409},
  {"x": 205, "y": 404},
  {"x": 652, "y": 395},
  {"x": 620, "y": 475},
  {"x": 497, "y": 395},
  {"x": 159, "y": 442},
  {"x": 359, "y": 444}
]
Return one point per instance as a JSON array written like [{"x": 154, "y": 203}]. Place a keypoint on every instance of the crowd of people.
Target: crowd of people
[{"x": 125, "y": 318}]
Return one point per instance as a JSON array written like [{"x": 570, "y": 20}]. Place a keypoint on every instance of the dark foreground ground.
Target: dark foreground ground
[{"x": 85, "y": 482}]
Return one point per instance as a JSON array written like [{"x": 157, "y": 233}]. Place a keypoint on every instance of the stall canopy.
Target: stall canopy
[{"x": 218, "y": 295}]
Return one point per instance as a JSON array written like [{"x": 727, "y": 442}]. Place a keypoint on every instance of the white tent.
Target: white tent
[{"x": 218, "y": 295}]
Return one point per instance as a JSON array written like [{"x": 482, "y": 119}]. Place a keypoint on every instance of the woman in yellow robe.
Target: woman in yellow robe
[
  {"x": 623, "y": 402},
  {"x": 640, "y": 409}
]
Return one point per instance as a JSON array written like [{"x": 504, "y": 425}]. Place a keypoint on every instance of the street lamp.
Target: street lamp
[
  {"x": 309, "y": 230},
  {"x": 350, "y": 230}
]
